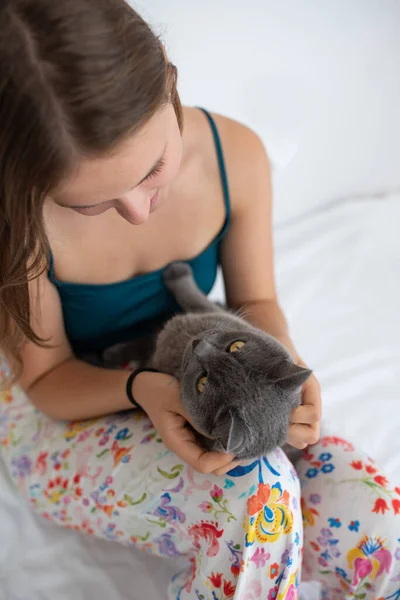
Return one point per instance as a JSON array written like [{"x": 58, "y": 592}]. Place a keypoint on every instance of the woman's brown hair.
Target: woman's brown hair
[{"x": 76, "y": 78}]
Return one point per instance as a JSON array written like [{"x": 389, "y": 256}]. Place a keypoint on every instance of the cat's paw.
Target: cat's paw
[{"x": 177, "y": 270}]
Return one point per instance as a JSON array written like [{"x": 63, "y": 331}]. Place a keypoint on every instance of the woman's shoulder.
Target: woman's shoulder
[
  {"x": 239, "y": 141},
  {"x": 243, "y": 150}
]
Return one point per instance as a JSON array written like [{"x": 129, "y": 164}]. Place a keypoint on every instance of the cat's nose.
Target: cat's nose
[{"x": 202, "y": 348}]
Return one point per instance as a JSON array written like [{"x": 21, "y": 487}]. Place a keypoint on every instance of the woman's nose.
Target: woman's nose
[{"x": 134, "y": 209}]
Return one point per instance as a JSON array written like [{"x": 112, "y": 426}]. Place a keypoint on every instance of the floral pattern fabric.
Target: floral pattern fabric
[
  {"x": 239, "y": 536},
  {"x": 351, "y": 516}
]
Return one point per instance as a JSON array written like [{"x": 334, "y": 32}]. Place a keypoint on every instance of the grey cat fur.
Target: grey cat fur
[{"x": 249, "y": 395}]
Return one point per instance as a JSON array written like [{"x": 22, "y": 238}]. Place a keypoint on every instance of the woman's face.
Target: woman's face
[{"x": 132, "y": 178}]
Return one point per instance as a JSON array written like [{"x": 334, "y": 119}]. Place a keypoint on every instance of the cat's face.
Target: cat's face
[{"x": 235, "y": 382}]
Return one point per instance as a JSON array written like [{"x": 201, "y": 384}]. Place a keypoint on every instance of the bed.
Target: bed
[{"x": 337, "y": 261}]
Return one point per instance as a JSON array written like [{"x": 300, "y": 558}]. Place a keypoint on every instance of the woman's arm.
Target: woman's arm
[
  {"x": 56, "y": 382},
  {"x": 247, "y": 259}
]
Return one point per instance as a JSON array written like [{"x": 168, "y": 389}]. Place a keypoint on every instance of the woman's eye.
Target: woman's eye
[
  {"x": 157, "y": 170},
  {"x": 84, "y": 209},
  {"x": 92, "y": 211},
  {"x": 201, "y": 384},
  {"x": 236, "y": 346}
]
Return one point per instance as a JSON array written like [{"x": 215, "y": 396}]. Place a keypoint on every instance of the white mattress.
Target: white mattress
[{"x": 338, "y": 275}]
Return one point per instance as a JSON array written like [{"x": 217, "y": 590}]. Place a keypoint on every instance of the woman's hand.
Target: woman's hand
[
  {"x": 159, "y": 395},
  {"x": 305, "y": 421}
]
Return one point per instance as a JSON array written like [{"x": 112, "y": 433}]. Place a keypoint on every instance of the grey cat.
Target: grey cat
[{"x": 238, "y": 384}]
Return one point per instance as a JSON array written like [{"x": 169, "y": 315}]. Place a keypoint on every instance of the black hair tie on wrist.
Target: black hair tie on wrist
[{"x": 129, "y": 385}]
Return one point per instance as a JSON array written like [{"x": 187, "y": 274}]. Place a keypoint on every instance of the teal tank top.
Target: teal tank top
[{"x": 97, "y": 316}]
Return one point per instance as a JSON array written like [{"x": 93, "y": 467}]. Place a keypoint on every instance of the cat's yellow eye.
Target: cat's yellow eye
[
  {"x": 236, "y": 346},
  {"x": 201, "y": 384}
]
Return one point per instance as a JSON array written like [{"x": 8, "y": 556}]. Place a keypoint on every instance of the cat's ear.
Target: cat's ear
[
  {"x": 236, "y": 434},
  {"x": 289, "y": 376}
]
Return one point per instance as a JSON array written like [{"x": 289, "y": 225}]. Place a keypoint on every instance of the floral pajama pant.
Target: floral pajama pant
[{"x": 248, "y": 535}]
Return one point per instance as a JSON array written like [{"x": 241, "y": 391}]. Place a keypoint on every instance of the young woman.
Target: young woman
[{"x": 104, "y": 180}]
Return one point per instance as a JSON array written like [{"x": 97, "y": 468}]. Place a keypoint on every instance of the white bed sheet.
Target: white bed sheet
[
  {"x": 339, "y": 280},
  {"x": 338, "y": 276}
]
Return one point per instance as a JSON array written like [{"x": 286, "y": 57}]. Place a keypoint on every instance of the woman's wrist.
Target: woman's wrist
[
  {"x": 286, "y": 341},
  {"x": 140, "y": 387},
  {"x": 147, "y": 386},
  {"x": 130, "y": 382}
]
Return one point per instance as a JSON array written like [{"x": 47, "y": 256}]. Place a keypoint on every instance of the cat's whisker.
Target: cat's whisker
[
  {"x": 243, "y": 312},
  {"x": 223, "y": 324}
]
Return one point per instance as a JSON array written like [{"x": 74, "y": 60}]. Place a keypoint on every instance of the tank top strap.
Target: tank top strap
[
  {"x": 50, "y": 271},
  {"x": 221, "y": 164}
]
